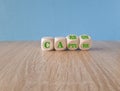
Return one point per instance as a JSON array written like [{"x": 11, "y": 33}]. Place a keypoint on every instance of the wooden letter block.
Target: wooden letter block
[
  {"x": 85, "y": 42},
  {"x": 72, "y": 42},
  {"x": 47, "y": 43},
  {"x": 60, "y": 43}
]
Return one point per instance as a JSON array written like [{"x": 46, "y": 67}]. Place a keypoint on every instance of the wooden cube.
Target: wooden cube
[
  {"x": 60, "y": 43},
  {"x": 47, "y": 43},
  {"x": 72, "y": 42},
  {"x": 85, "y": 42}
]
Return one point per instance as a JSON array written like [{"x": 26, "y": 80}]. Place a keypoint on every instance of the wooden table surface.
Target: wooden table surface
[{"x": 24, "y": 67}]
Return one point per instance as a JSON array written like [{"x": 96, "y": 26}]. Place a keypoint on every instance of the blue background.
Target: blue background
[{"x": 33, "y": 19}]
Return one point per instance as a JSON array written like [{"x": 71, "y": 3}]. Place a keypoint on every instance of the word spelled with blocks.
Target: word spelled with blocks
[{"x": 71, "y": 42}]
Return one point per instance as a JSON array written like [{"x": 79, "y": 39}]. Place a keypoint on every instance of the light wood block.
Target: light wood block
[
  {"x": 60, "y": 43},
  {"x": 72, "y": 42},
  {"x": 47, "y": 43},
  {"x": 85, "y": 42}
]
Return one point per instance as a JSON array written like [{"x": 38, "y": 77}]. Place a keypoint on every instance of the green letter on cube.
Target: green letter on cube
[
  {"x": 72, "y": 45},
  {"x": 60, "y": 45},
  {"x": 85, "y": 45},
  {"x": 84, "y": 37},
  {"x": 72, "y": 37},
  {"x": 47, "y": 44}
]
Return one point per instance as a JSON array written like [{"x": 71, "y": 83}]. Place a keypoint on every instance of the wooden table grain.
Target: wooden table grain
[{"x": 24, "y": 67}]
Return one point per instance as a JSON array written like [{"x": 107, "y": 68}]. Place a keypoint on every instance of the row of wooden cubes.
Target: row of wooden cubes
[{"x": 71, "y": 42}]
